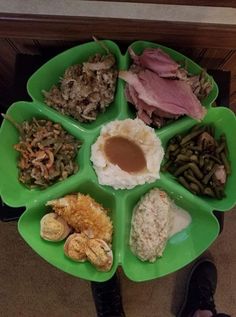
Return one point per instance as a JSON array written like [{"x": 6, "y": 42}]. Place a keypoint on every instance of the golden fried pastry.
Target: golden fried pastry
[
  {"x": 85, "y": 215},
  {"x": 99, "y": 254},
  {"x": 53, "y": 227},
  {"x": 75, "y": 247}
]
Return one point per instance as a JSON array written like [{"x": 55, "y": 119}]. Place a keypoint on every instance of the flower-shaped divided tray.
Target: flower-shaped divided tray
[{"x": 183, "y": 247}]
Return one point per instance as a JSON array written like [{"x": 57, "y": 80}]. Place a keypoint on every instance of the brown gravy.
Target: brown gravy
[{"x": 125, "y": 153}]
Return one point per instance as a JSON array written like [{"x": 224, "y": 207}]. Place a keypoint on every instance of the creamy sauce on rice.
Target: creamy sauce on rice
[{"x": 180, "y": 219}]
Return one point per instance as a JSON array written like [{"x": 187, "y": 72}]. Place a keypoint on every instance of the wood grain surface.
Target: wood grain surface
[
  {"x": 216, "y": 3},
  {"x": 82, "y": 28},
  {"x": 212, "y": 46}
]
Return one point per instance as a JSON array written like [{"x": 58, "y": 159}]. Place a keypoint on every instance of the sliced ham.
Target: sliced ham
[
  {"x": 157, "y": 61},
  {"x": 171, "y": 96},
  {"x": 144, "y": 111},
  {"x": 144, "y": 117},
  {"x": 132, "y": 97}
]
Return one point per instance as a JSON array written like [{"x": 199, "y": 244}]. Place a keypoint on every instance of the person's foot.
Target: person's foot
[
  {"x": 107, "y": 298},
  {"x": 201, "y": 287}
]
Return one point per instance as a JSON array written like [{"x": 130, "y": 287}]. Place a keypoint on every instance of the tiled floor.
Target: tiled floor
[{"x": 30, "y": 287}]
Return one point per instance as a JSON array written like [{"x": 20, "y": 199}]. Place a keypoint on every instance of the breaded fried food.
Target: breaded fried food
[{"x": 85, "y": 215}]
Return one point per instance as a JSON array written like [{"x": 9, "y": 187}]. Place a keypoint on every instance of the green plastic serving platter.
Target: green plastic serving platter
[{"x": 183, "y": 247}]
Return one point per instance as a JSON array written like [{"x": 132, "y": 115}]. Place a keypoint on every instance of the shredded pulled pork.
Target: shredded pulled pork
[
  {"x": 85, "y": 89},
  {"x": 47, "y": 153}
]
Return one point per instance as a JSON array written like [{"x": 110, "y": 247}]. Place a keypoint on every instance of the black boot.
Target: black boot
[
  {"x": 201, "y": 288},
  {"x": 107, "y": 298}
]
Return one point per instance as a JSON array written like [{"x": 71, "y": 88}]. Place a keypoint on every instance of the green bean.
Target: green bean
[
  {"x": 219, "y": 192},
  {"x": 194, "y": 164},
  {"x": 178, "y": 138},
  {"x": 220, "y": 148},
  {"x": 201, "y": 161},
  {"x": 214, "y": 158},
  {"x": 182, "y": 157},
  {"x": 204, "y": 170},
  {"x": 188, "y": 144},
  {"x": 195, "y": 170},
  {"x": 209, "y": 175},
  {"x": 209, "y": 192},
  {"x": 210, "y": 165},
  {"x": 171, "y": 148},
  {"x": 191, "y": 135},
  {"x": 189, "y": 152},
  {"x": 165, "y": 166},
  {"x": 183, "y": 181},
  {"x": 190, "y": 172},
  {"x": 194, "y": 158},
  {"x": 226, "y": 163},
  {"x": 193, "y": 179},
  {"x": 183, "y": 150},
  {"x": 172, "y": 141},
  {"x": 196, "y": 147},
  {"x": 176, "y": 152},
  {"x": 204, "y": 144},
  {"x": 223, "y": 139},
  {"x": 181, "y": 169},
  {"x": 195, "y": 188}
]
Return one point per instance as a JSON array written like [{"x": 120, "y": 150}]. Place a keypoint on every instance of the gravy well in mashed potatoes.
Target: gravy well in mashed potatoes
[{"x": 125, "y": 153}]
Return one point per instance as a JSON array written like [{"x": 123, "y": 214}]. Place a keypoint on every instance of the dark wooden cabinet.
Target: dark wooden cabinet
[{"x": 212, "y": 46}]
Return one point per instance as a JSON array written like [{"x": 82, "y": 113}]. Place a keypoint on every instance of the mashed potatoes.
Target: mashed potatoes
[{"x": 142, "y": 136}]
